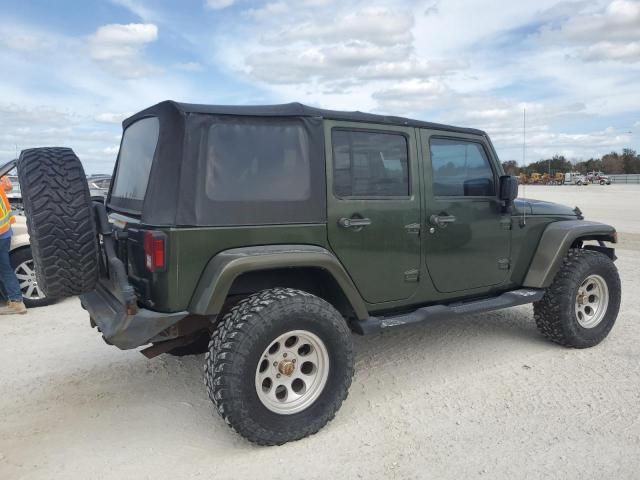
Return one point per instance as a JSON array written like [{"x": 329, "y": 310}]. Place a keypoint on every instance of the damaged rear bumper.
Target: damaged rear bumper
[{"x": 119, "y": 328}]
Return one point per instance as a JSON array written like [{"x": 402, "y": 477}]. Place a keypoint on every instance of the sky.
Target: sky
[{"x": 73, "y": 70}]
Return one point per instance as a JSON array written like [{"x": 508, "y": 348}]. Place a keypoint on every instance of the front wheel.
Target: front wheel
[
  {"x": 580, "y": 307},
  {"x": 279, "y": 365}
]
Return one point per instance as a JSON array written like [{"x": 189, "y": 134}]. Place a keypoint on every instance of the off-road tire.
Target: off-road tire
[
  {"x": 60, "y": 220},
  {"x": 18, "y": 257},
  {"x": 555, "y": 313},
  {"x": 235, "y": 350}
]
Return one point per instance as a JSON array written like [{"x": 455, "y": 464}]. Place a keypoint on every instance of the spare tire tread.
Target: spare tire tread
[{"x": 60, "y": 220}]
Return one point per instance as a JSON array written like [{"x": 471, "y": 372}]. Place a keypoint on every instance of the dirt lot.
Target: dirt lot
[{"x": 484, "y": 396}]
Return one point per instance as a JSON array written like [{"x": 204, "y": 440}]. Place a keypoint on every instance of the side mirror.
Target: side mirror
[{"x": 508, "y": 189}]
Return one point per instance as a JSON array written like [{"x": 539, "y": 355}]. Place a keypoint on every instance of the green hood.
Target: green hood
[{"x": 540, "y": 207}]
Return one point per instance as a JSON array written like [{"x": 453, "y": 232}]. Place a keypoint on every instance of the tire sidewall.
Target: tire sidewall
[
  {"x": 285, "y": 315},
  {"x": 597, "y": 264}
]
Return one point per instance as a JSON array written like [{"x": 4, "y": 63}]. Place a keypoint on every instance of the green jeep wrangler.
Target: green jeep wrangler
[{"x": 270, "y": 233}]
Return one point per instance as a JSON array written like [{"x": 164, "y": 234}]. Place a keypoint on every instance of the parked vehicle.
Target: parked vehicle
[
  {"x": 575, "y": 178},
  {"x": 98, "y": 187},
  {"x": 274, "y": 231},
  {"x": 14, "y": 196},
  {"x": 598, "y": 177}
]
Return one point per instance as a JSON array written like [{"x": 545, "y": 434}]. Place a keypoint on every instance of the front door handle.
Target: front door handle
[
  {"x": 441, "y": 220},
  {"x": 354, "y": 223}
]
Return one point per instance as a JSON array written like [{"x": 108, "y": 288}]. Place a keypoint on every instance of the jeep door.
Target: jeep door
[
  {"x": 467, "y": 238},
  {"x": 373, "y": 206}
]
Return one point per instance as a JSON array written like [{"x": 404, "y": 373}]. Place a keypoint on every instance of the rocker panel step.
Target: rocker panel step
[{"x": 505, "y": 300}]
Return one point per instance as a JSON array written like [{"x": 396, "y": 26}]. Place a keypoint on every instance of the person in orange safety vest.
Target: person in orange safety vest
[{"x": 8, "y": 280}]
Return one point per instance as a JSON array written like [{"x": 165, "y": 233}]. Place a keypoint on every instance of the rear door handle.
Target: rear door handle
[
  {"x": 441, "y": 220},
  {"x": 354, "y": 223}
]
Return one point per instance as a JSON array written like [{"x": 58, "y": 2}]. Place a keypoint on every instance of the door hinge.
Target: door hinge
[
  {"x": 505, "y": 223},
  {"x": 413, "y": 228},
  {"x": 504, "y": 264},
  {"x": 411, "y": 275}
]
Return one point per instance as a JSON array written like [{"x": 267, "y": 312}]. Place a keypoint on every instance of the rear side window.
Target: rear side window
[
  {"x": 460, "y": 168},
  {"x": 370, "y": 164},
  {"x": 258, "y": 161},
  {"x": 134, "y": 160}
]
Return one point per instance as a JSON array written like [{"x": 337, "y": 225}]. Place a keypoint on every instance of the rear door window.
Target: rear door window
[
  {"x": 370, "y": 164},
  {"x": 137, "y": 150}
]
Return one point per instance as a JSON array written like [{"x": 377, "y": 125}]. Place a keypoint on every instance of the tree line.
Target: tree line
[{"x": 612, "y": 163}]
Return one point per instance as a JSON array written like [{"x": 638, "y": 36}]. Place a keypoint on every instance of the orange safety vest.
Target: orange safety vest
[{"x": 6, "y": 217}]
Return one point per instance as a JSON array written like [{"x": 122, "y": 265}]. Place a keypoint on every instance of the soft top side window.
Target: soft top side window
[
  {"x": 370, "y": 164},
  {"x": 460, "y": 168}
]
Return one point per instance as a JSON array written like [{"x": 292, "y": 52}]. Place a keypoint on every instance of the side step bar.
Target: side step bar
[{"x": 505, "y": 300}]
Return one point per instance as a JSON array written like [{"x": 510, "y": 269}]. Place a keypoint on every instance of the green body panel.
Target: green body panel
[
  {"x": 225, "y": 267},
  {"x": 472, "y": 252},
  {"x": 397, "y": 262},
  {"x": 380, "y": 257},
  {"x": 191, "y": 249},
  {"x": 540, "y": 207}
]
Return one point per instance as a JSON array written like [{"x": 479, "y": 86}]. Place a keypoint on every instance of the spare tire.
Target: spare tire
[{"x": 60, "y": 220}]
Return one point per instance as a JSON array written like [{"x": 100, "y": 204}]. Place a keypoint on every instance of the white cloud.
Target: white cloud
[
  {"x": 19, "y": 40},
  {"x": 139, "y": 9},
  {"x": 110, "y": 117},
  {"x": 623, "y": 52},
  {"x": 189, "y": 66},
  {"x": 219, "y": 4},
  {"x": 119, "y": 48},
  {"x": 612, "y": 34},
  {"x": 412, "y": 96}
]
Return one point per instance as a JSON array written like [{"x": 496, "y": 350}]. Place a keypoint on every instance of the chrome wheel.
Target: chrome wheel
[
  {"x": 592, "y": 301},
  {"x": 26, "y": 274},
  {"x": 292, "y": 372}
]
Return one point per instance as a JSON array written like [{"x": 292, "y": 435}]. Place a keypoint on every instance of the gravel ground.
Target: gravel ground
[{"x": 483, "y": 396}]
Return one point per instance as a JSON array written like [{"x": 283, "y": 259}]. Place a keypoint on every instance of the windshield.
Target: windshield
[{"x": 134, "y": 163}]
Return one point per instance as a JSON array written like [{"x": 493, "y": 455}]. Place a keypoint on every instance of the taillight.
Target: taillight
[{"x": 155, "y": 251}]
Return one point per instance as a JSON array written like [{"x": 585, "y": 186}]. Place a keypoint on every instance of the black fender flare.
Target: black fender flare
[
  {"x": 555, "y": 243},
  {"x": 226, "y": 266}
]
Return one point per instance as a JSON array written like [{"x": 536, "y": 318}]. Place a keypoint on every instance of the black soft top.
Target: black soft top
[
  {"x": 294, "y": 109},
  {"x": 178, "y": 191}
]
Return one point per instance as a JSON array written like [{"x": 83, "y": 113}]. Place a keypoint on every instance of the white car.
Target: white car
[{"x": 22, "y": 263}]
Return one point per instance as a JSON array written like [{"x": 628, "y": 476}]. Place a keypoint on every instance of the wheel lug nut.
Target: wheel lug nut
[
  {"x": 294, "y": 360},
  {"x": 278, "y": 375},
  {"x": 275, "y": 364},
  {"x": 284, "y": 355}
]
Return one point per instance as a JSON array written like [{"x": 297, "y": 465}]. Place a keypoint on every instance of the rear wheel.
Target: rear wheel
[
  {"x": 60, "y": 221},
  {"x": 24, "y": 267},
  {"x": 580, "y": 307},
  {"x": 279, "y": 365}
]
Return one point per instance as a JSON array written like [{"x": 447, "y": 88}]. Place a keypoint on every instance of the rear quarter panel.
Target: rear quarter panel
[{"x": 190, "y": 250}]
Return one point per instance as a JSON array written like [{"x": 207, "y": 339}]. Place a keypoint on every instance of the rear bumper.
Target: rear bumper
[{"x": 120, "y": 329}]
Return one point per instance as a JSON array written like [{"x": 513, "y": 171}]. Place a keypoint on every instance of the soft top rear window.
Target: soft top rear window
[{"x": 137, "y": 150}]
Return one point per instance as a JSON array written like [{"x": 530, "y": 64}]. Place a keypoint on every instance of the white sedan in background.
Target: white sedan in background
[{"x": 22, "y": 263}]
